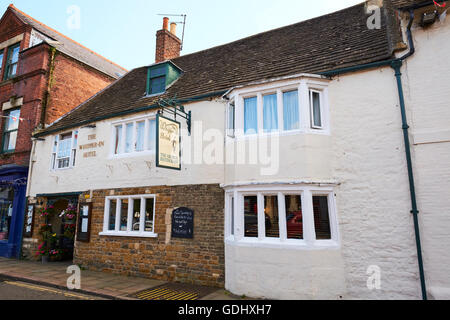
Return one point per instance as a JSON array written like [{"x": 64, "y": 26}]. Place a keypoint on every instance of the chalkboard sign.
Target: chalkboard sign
[{"x": 183, "y": 223}]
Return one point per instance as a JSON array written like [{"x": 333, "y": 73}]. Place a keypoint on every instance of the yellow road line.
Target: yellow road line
[
  {"x": 167, "y": 294},
  {"x": 29, "y": 286}
]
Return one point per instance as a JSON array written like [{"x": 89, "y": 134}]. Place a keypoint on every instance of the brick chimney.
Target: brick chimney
[{"x": 168, "y": 45}]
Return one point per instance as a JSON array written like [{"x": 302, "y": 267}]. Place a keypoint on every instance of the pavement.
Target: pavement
[{"x": 99, "y": 284}]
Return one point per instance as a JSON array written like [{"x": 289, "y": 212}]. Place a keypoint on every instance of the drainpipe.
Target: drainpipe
[{"x": 396, "y": 64}]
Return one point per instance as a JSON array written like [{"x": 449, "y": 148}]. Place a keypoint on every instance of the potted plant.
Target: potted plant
[
  {"x": 43, "y": 252},
  {"x": 69, "y": 231}
]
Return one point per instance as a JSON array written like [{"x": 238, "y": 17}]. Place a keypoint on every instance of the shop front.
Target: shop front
[{"x": 13, "y": 180}]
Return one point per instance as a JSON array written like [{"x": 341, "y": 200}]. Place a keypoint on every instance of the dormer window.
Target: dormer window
[{"x": 161, "y": 76}]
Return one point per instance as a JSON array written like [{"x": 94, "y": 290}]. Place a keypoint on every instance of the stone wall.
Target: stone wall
[{"x": 196, "y": 261}]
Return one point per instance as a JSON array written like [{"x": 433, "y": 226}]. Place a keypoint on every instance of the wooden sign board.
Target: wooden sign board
[
  {"x": 183, "y": 223},
  {"x": 168, "y": 143},
  {"x": 29, "y": 215}
]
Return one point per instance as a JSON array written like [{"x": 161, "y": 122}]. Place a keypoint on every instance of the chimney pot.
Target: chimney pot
[
  {"x": 173, "y": 28},
  {"x": 165, "y": 23}
]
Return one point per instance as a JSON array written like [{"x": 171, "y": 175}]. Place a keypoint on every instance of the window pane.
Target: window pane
[
  {"x": 1, "y": 60},
  {"x": 12, "y": 122},
  {"x": 315, "y": 99},
  {"x": 158, "y": 85},
  {"x": 271, "y": 216},
  {"x": 231, "y": 114},
  {"x": 112, "y": 215},
  {"x": 15, "y": 54},
  {"x": 232, "y": 216},
  {"x": 118, "y": 142},
  {"x": 294, "y": 218},
  {"x": 152, "y": 135},
  {"x": 136, "y": 215},
  {"x": 10, "y": 141},
  {"x": 129, "y": 138},
  {"x": 149, "y": 215},
  {"x": 321, "y": 218},
  {"x": 140, "y": 134},
  {"x": 290, "y": 110},
  {"x": 270, "y": 113},
  {"x": 251, "y": 216},
  {"x": 250, "y": 116},
  {"x": 64, "y": 146},
  {"x": 124, "y": 215}
]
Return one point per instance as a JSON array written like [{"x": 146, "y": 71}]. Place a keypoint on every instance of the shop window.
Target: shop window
[
  {"x": 129, "y": 216},
  {"x": 12, "y": 119},
  {"x": 134, "y": 137},
  {"x": 284, "y": 220},
  {"x": 321, "y": 217},
  {"x": 6, "y": 209},
  {"x": 294, "y": 218},
  {"x": 64, "y": 150},
  {"x": 251, "y": 216}
]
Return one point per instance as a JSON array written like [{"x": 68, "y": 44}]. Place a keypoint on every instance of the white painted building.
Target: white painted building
[{"x": 311, "y": 159}]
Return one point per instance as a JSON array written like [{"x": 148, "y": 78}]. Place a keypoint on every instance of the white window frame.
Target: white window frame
[
  {"x": 311, "y": 108},
  {"x": 303, "y": 86},
  {"x": 73, "y": 151},
  {"x": 133, "y": 152},
  {"x": 306, "y": 193},
  {"x": 231, "y": 118},
  {"x": 129, "y": 232}
]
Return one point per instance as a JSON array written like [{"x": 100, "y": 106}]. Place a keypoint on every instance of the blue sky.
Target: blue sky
[{"x": 124, "y": 31}]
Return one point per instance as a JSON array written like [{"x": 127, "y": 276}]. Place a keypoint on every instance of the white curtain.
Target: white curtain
[
  {"x": 290, "y": 110},
  {"x": 129, "y": 138},
  {"x": 152, "y": 135},
  {"x": 250, "y": 116},
  {"x": 140, "y": 134},
  {"x": 270, "y": 113}
]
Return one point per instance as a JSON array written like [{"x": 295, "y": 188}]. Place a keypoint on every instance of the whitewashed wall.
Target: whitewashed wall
[
  {"x": 104, "y": 172},
  {"x": 426, "y": 78},
  {"x": 365, "y": 155}
]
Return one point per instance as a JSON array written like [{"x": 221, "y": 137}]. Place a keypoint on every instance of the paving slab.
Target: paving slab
[{"x": 104, "y": 284}]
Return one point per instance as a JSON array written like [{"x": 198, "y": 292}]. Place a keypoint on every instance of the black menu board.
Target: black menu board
[{"x": 183, "y": 223}]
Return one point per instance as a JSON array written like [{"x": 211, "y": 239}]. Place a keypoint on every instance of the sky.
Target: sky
[{"x": 124, "y": 31}]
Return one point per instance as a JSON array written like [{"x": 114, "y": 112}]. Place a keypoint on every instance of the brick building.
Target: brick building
[{"x": 43, "y": 75}]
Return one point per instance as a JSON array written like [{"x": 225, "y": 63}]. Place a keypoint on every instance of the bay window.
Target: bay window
[
  {"x": 64, "y": 150},
  {"x": 131, "y": 216},
  {"x": 134, "y": 137},
  {"x": 292, "y": 216},
  {"x": 294, "y": 106}
]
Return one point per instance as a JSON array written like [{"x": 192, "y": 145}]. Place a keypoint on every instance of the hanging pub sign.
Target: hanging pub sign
[
  {"x": 168, "y": 143},
  {"x": 183, "y": 223}
]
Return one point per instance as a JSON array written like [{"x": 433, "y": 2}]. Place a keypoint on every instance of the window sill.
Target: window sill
[
  {"x": 129, "y": 234},
  {"x": 287, "y": 244},
  {"x": 278, "y": 134}
]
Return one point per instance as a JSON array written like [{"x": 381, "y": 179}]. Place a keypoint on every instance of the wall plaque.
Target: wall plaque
[
  {"x": 29, "y": 221},
  {"x": 183, "y": 223}
]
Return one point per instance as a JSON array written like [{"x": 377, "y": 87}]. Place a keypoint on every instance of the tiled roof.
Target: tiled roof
[
  {"x": 336, "y": 40},
  {"x": 72, "y": 48}
]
